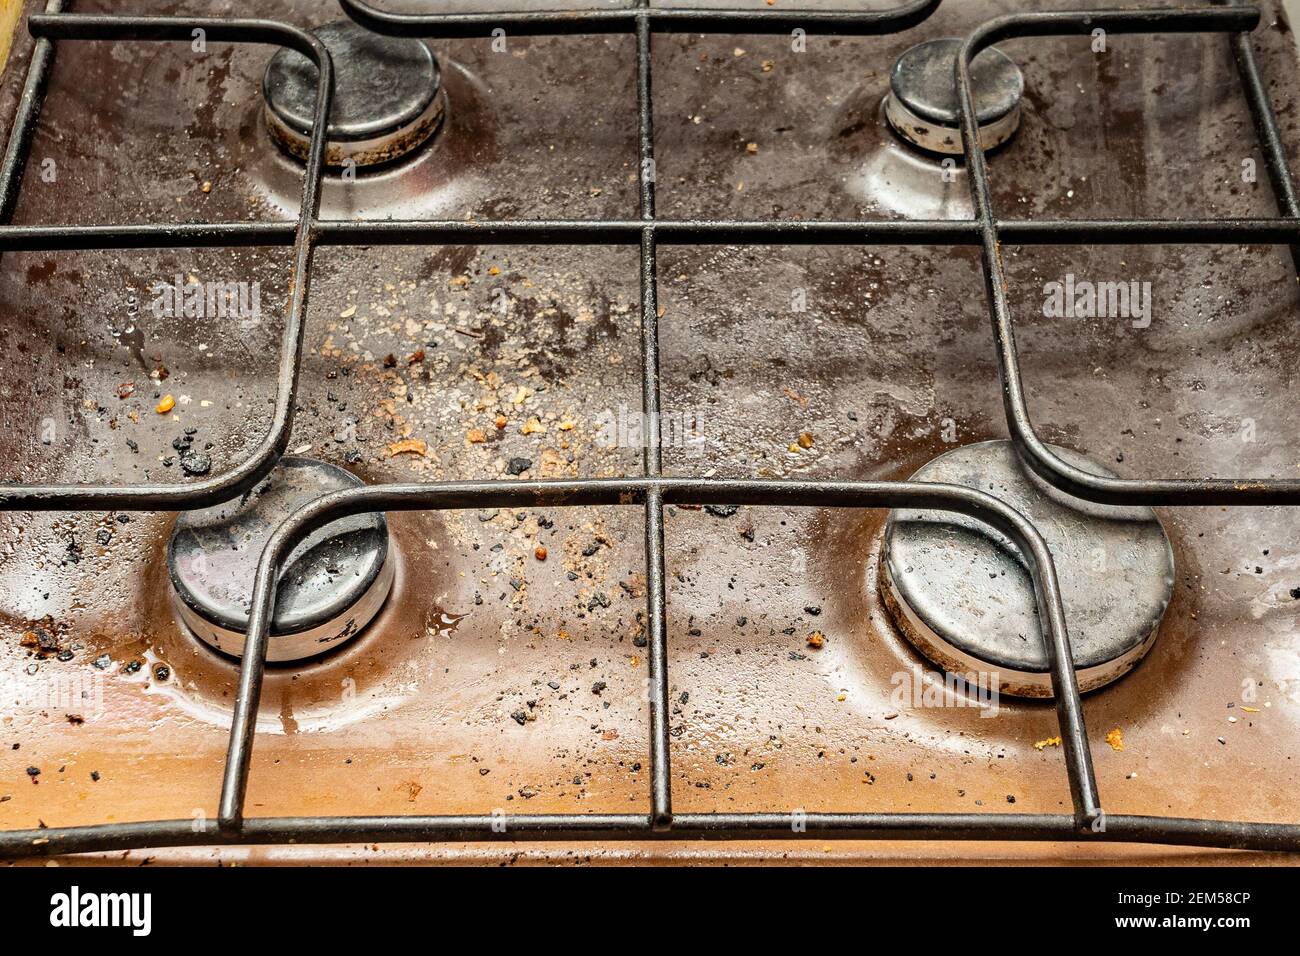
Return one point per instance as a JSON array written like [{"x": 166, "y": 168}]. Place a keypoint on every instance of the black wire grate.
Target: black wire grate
[{"x": 652, "y": 491}]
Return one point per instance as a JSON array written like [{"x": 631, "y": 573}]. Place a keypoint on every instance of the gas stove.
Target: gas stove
[{"x": 649, "y": 431}]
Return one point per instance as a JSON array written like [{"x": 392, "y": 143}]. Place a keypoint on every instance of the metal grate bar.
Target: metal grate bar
[
  {"x": 652, "y": 491},
  {"x": 67, "y": 26},
  {"x": 1035, "y": 453},
  {"x": 661, "y": 802},
  {"x": 609, "y": 828},
  {"x": 628, "y": 232},
  {"x": 658, "y": 20},
  {"x": 630, "y": 491},
  {"x": 29, "y": 107}
]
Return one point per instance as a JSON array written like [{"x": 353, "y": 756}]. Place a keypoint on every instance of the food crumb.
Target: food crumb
[
  {"x": 1049, "y": 742},
  {"x": 408, "y": 446},
  {"x": 816, "y": 639},
  {"x": 166, "y": 405},
  {"x": 1116, "y": 739}
]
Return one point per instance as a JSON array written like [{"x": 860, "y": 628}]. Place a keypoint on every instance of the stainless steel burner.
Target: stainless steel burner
[
  {"x": 388, "y": 97},
  {"x": 334, "y": 581},
  {"x": 960, "y": 593},
  {"x": 922, "y": 101}
]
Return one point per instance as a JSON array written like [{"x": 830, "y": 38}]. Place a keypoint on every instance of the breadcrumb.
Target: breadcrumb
[{"x": 408, "y": 446}]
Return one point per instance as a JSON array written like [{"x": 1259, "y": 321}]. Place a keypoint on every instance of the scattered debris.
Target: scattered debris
[
  {"x": 166, "y": 405},
  {"x": 1116, "y": 739}
]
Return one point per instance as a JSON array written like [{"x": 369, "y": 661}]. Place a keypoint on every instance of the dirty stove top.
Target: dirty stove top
[{"x": 511, "y": 669}]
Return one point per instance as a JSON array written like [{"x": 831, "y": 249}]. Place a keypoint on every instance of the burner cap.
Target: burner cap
[
  {"x": 387, "y": 96},
  {"x": 958, "y": 590},
  {"x": 330, "y": 587},
  {"x": 922, "y": 100}
]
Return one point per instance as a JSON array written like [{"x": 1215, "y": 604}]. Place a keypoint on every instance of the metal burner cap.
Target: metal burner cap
[
  {"x": 331, "y": 586},
  {"x": 922, "y": 102},
  {"x": 387, "y": 96},
  {"x": 958, "y": 590}
]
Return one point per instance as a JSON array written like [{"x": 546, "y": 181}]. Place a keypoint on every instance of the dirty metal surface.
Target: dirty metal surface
[
  {"x": 964, "y": 599},
  {"x": 213, "y": 553},
  {"x": 496, "y": 680}
]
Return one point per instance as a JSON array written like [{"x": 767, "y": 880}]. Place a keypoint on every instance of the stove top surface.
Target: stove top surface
[{"x": 507, "y": 672}]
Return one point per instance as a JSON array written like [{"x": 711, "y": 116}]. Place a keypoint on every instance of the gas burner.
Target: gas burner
[
  {"x": 960, "y": 593},
  {"x": 922, "y": 101},
  {"x": 334, "y": 581},
  {"x": 388, "y": 97}
]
